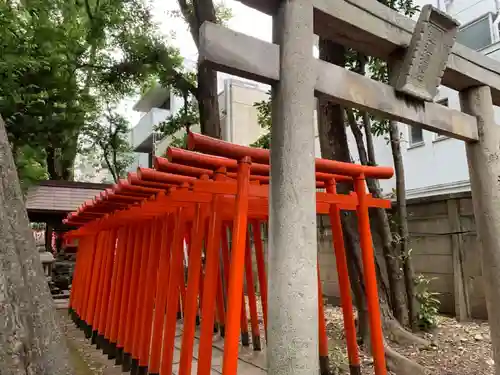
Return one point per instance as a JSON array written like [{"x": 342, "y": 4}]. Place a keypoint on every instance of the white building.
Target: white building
[
  {"x": 156, "y": 104},
  {"x": 237, "y": 113},
  {"x": 434, "y": 164}
]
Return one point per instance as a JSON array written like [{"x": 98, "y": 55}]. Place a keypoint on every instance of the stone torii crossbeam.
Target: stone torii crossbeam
[{"x": 289, "y": 66}]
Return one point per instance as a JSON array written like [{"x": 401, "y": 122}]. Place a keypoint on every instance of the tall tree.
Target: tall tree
[
  {"x": 59, "y": 58},
  {"x": 397, "y": 297},
  {"x": 31, "y": 341},
  {"x": 31, "y": 166},
  {"x": 334, "y": 145},
  {"x": 194, "y": 13},
  {"x": 182, "y": 119},
  {"x": 107, "y": 139}
]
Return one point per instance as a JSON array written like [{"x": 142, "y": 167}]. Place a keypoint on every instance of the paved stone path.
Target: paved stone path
[
  {"x": 95, "y": 363},
  {"x": 250, "y": 363}
]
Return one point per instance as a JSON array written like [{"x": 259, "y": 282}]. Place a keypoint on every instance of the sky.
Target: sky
[{"x": 245, "y": 20}]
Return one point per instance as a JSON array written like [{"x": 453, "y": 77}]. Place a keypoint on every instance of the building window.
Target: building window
[
  {"x": 440, "y": 137},
  {"x": 165, "y": 104},
  {"x": 477, "y": 34},
  {"x": 150, "y": 160},
  {"x": 416, "y": 136}
]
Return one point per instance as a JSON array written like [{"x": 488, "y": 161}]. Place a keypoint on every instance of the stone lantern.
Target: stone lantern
[{"x": 47, "y": 260}]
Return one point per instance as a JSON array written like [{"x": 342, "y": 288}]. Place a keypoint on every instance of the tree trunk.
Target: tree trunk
[
  {"x": 395, "y": 275},
  {"x": 370, "y": 148},
  {"x": 49, "y": 230},
  {"x": 208, "y": 101},
  {"x": 51, "y": 163},
  {"x": 111, "y": 166},
  {"x": 402, "y": 223},
  {"x": 117, "y": 172},
  {"x": 31, "y": 341},
  {"x": 67, "y": 157},
  {"x": 333, "y": 142}
]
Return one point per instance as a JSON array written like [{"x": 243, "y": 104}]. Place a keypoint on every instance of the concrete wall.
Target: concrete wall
[
  {"x": 239, "y": 122},
  {"x": 140, "y": 160},
  {"x": 463, "y": 10},
  {"x": 146, "y": 124},
  {"x": 467, "y": 10},
  {"x": 438, "y": 165},
  {"x": 161, "y": 146},
  {"x": 444, "y": 247}
]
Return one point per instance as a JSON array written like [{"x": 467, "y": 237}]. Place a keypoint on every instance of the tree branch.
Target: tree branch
[
  {"x": 189, "y": 15},
  {"x": 97, "y": 4},
  {"x": 115, "y": 162},
  {"x": 110, "y": 167},
  {"x": 369, "y": 138},
  {"x": 105, "y": 153},
  {"x": 89, "y": 11},
  {"x": 358, "y": 136},
  {"x": 362, "y": 60},
  {"x": 180, "y": 82}
]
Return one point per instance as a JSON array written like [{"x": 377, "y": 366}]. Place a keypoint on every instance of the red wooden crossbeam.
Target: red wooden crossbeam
[{"x": 136, "y": 238}]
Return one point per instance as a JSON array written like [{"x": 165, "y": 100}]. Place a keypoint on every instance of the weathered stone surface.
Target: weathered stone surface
[
  {"x": 220, "y": 45},
  {"x": 30, "y": 337},
  {"x": 374, "y": 29},
  {"x": 425, "y": 61},
  {"x": 229, "y": 51},
  {"x": 292, "y": 261},
  {"x": 484, "y": 169}
]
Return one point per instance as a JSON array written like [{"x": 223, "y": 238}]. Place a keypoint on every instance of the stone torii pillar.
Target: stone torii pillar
[
  {"x": 484, "y": 169},
  {"x": 293, "y": 316},
  {"x": 289, "y": 66},
  {"x": 419, "y": 76}
]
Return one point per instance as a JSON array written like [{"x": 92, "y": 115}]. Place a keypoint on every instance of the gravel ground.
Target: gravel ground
[
  {"x": 86, "y": 359},
  {"x": 457, "y": 348}
]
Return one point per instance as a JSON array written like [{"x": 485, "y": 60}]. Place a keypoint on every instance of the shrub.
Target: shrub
[{"x": 428, "y": 303}]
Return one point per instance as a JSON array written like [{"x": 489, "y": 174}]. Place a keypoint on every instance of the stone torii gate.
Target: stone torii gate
[{"x": 289, "y": 66}]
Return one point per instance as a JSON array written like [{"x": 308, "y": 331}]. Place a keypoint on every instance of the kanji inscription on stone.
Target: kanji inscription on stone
[{"x": 426, "y": 57}]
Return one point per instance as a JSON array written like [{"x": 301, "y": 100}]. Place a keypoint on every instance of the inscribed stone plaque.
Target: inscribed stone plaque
[{"x": 425, "y": 59}]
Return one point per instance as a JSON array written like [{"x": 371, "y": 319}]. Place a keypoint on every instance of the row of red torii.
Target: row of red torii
[{"x": 203, "y": 211}]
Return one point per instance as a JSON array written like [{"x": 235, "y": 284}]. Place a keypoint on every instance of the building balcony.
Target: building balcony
[
  {"x": 493, "y": 50},
  {"x": 142, "y": 133},
  {"x": 163, "y": 144}
]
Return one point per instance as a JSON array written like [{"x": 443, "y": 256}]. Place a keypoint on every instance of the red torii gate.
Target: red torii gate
[{"x": 129, "y": 285}]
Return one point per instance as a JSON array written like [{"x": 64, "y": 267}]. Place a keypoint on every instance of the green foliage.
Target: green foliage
[
  {"x": 406, "y": 7},
  {"x": 223, "y": 13},
  {"x": 182, "y": 119},
  {"x": 38, "y": 226},
  {"x": 377, "y": 70},
  {"x": 428, "y": 303},
  {"x": 184, "y": 83},
  {"x": 108, "y": 138},
  {"x": 31, "y": 167},
  {"x": 180, "y": 142},
  {"x": 264, "y": 120},
  {"x": 60, "y": 58},
  {"x": 36, "y": 79}
]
